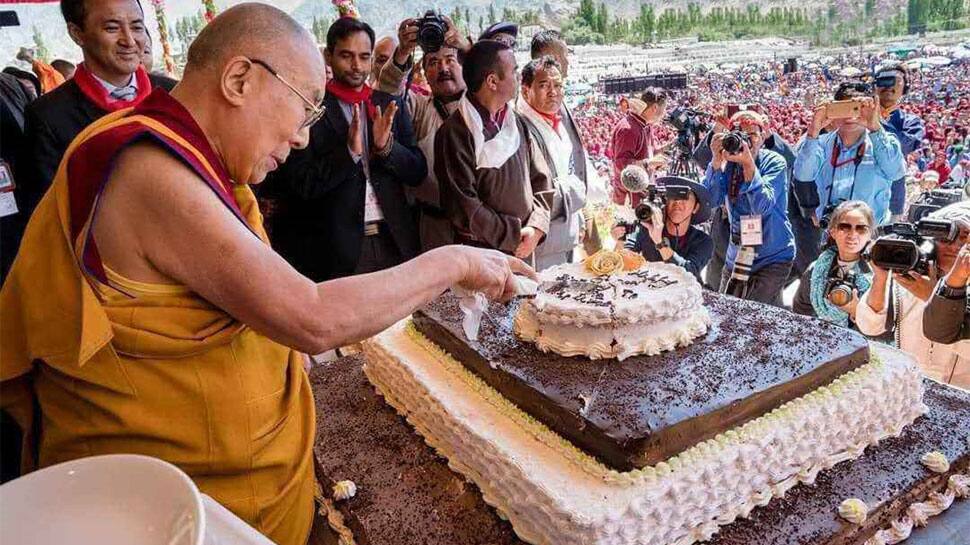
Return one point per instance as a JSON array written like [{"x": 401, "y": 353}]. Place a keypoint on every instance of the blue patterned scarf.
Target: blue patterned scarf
[{"x": 824, "y": 308}]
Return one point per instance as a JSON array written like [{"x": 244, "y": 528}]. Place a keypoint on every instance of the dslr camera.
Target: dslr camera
[
  {"x": 904, "y": 247},
  {"x": 431, "y": 31},
  {"x": 734, "y": 141},
  {"x": 839, "y": 290}
]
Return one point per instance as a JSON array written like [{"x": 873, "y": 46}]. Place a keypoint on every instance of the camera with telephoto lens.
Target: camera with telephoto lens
[
  {"x": 904, "y": 247},
  {"x": 931, "y": 201},
  {"x": 839, "y": 291},
  {"x": 733, "y": 142},
  {"x": 431, "y": 31}
]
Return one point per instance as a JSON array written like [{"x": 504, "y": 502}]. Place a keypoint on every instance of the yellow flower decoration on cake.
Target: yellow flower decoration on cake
[
  {"x": 604, "y": 262},
  {"x": 632, "y": 261}
]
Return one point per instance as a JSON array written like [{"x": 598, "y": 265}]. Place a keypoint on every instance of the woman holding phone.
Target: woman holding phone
[{"x": 855, "y": 160}]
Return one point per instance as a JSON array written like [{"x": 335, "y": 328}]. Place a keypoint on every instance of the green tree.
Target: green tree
[
  {"x": 587, "y": 12},
  {"x": 602, "y": 19}
]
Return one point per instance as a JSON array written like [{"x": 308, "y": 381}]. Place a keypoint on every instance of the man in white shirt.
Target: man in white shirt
[{"x": 540, "y": 105}]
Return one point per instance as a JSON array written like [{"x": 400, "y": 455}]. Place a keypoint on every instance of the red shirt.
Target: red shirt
[{"x": 632, "y": 141}]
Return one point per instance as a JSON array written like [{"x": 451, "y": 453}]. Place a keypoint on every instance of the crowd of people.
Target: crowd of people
[
  {"x": 148, "y": 273},
  {"x": 940, "y": 96}
]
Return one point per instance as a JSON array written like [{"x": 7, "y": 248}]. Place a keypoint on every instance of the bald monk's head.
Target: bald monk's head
[{"x": 252, "y": 117}]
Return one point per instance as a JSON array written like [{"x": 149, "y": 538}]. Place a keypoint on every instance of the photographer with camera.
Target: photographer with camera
[
  {"x": 753, "y": 182},
  {"x": 947, "y": 316},
  {"x": 431, "y": 32},
  {"x": 905, "y": 302},
  {"x": 633, "y": 141},
  {"x": 829, "y": 289},
  {"x": 856, "y": 160},
  {"x": 892, "y": 83},
  {"x": 666, "y": 225},
  {"x": 443, "y": 51},
  {"x": 805, "y": 233}
]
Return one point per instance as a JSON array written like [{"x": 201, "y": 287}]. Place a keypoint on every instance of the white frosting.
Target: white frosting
[
  {"x": 854, "y": 510},
  {"x": 649, "y": 311},
  {"x": 936, "y": 462},
  {"x": 555, "y": 494},
  {"x": 918, "y": 514},
  {"x": 344, "y": 490}
]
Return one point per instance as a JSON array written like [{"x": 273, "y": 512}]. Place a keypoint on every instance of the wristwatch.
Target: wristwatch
[
  {"x": 946, "y": 292},
  {"x": 661, "y": 245}
]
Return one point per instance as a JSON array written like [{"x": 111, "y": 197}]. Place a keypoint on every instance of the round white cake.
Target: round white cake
[{"x": 647, "y": 310}]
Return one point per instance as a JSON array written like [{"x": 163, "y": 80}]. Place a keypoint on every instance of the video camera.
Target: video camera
[
  {"x": 904, "y": 247},
  {"x": 690, "y": 124},
  {"x": 634, "y": 179},
  {"x": 431, "y": 31},
  {"x": 931, "y": 201}
]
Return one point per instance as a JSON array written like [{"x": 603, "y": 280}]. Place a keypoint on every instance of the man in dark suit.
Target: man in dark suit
[
  {"x": 339, "y": 206},
  {"x": 111, "y": 35}
]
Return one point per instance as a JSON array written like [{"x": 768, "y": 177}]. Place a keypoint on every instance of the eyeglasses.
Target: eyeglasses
[
  {"x": 846, "y": 228},
  {"x": 316, "y": 110}
]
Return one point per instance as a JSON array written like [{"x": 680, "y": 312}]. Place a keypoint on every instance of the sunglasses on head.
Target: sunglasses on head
[{"x": 846, "y": 228}]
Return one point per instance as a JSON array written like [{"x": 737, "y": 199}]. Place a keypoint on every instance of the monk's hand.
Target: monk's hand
[
  {"x": 491, "y": 272},
  {"x": 355, "y": 137},
  {"x": 383, "y": 125},
  {"x": 528, "y": 240}
]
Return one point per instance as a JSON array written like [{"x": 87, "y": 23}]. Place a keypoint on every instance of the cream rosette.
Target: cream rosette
[{"x": 604, "y": 262}]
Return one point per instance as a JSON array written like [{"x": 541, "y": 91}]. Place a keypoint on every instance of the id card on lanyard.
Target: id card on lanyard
[
  {"x": 751, "y": 230},
  {"x": 8, "y": 203}
]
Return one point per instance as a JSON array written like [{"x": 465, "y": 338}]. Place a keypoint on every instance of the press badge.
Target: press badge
[
  {"x": 750, "y": 230},
  {"x": 8, "y": 203}
]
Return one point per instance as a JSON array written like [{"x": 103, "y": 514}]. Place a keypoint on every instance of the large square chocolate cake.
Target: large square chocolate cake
[{"x": 631, "y": 408}]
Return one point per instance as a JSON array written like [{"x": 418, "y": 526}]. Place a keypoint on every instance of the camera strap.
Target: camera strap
[
  {"x": 440, "y": 107},
  {"x": 860, "y": 154}
]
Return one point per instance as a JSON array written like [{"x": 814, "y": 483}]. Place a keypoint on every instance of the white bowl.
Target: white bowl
[{"x": 119, "y": 499}]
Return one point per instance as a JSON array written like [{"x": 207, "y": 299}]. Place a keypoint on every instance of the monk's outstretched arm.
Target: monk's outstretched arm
[{"x": 156, "y": 209}]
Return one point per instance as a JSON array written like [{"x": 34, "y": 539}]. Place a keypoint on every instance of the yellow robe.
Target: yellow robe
[{"x": 157, "y": 371}]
